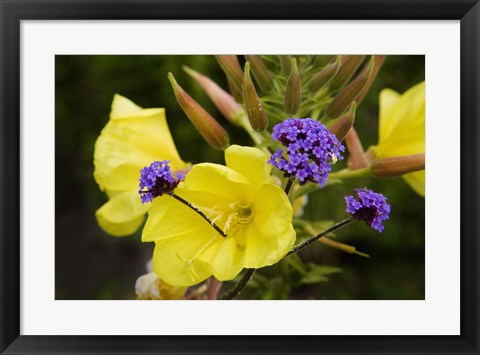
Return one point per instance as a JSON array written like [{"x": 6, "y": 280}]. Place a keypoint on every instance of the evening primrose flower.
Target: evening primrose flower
[
  {"x": 242, "y": 199},
  {"x": 133, "y": 138},
  {"x": 402, "y": 129}
]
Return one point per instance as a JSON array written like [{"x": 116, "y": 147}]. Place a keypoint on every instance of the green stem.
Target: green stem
[
  {"x": 233, "y": 292},
  {"x": 311, "y": 187},
  {"x": 306, "y": 243},
  {"x": 185, "y": 202},
  {"x": 347, "y": 173},
  {"x": 245, "y": 124}
]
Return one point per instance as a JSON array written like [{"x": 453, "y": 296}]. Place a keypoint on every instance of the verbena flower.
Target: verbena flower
[
  {"x": 132, "y": 138},
  {"x": 402, "y": 129},
  {"x": 156, "y": 180},
  {"x": 242, "y": 199},
  {"x": 310, "y": 149},
  {"x": 370, "y": 207}
]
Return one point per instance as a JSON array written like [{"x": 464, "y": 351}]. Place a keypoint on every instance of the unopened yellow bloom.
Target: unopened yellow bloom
[
  {"x": 150, "y": 287},
  {"x": 242, "y": 199},
  {"x": 402, "y": 129},
  {"x": 132, "y": 139}
]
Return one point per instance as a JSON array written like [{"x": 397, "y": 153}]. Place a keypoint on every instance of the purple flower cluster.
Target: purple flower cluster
[
  {"x": 310, "y": 150},
  {"x": 371, "y": 207},
  {"x": 157, "y": 179}
]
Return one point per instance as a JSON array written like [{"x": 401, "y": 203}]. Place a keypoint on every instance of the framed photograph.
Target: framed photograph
[{"x": 238, "y": 177}]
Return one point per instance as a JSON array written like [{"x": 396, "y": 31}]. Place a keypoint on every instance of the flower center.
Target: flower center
[{"x": 231, "y": 217}]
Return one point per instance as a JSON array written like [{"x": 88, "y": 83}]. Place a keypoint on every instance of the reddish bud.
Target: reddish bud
[
  {"x": 206, "y": 125},
  {"x": 348, "y": 67},
  {"x": 341, "y": 126},
  {"x": 224, "y": 102},
  {"x": 350, "y": 93},
  {"x": 396, "y": 166},
  {"x": 323, "y": 60},
  {"x": 260, "y": 73},
  {"x": 324, "y": 76},
  {"x": 358, "y": 159},
  {"x": 232, "y": 69}
]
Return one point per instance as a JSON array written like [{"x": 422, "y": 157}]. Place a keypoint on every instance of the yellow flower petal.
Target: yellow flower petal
[
  {"x": 170, "y": 219},
  {"x": 416, "y": 181},
  {"x": 180, "y": 236},
  {"x": 225, "y": 258},
  {"x": 402, "y": 129},
  {"x": 218, "y": 180},
  {"x": 132, "y": 139},
  {"x": 271, "y": 235},
  {"x": 171, "y": 262},
  {"x": 122, "y": 215},
  {"x": 388, "y": 99},
  {"x": 250, "y": 162},
  {"x": 402, "y": 122}
]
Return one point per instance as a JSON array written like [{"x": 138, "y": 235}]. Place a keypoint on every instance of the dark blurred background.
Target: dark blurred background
[{"x": 89, "y": 264}]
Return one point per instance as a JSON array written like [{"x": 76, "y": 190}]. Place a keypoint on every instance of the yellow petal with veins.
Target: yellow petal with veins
[
  {"x": 122, "y": 215},
  {"x": 132, "y": 139},
  {"x": 402, "y": 129}
]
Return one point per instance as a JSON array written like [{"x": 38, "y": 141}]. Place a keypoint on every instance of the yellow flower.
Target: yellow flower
[
  {"x": 150, "y": 287},
  {"x": 402, "y": 129},
  {"x": 132, "y": 139},
  {"x": 242, "y": 199}
]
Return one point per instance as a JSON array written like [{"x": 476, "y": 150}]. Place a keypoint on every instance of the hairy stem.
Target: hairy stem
[
  {"x": 233, "y": 292},
  {"x": 306, "y": 243}
]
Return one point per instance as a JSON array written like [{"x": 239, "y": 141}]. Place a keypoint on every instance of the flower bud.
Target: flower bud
[
  {"x": 232, "y": 69},
  {"x": 285, "y": 63},
  {"x": 237, "y": 94},
  {"x": 342, "y": 125},
  {"x": 293, "y": 90},
  {"x": 206, "y": 125},
  {"x": 323, "y": 60},
  {"x": 348, "y": 67},
  {"x": 224, "y": 102},
  {"x": 378, "y": 61},
  {"x": 357, "y": 159},
  {"x": 255, "y": 110},
  {"x": 150, "y": 287},
  {"x": 350, "y": 93},
  {"x": 396, "y": 166},
  {"x": 324, "y": 76},
  {"x": 260, "y": 73}
]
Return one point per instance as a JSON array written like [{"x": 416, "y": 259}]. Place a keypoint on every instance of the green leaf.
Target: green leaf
[
  {"x": 310, "y": 279},
  {"x": 323, "y": 269},
  {"x": 296, "y": 263}
]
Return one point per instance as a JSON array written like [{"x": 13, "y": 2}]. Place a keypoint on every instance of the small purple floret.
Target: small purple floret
[
  {"x": 310, "y": 149},
  {"x": 156, "y": 180},
  {"x": 371, "y": 207}
]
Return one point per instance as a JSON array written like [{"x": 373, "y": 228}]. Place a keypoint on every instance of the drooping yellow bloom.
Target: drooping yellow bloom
[
  {"x": 132, "y": 139},
  {"x": 242, "y": 199},
  {"x": 402, "y": 129}
]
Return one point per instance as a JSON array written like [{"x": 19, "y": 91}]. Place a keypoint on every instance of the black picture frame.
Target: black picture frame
[{"x": 12, "y": 12}]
